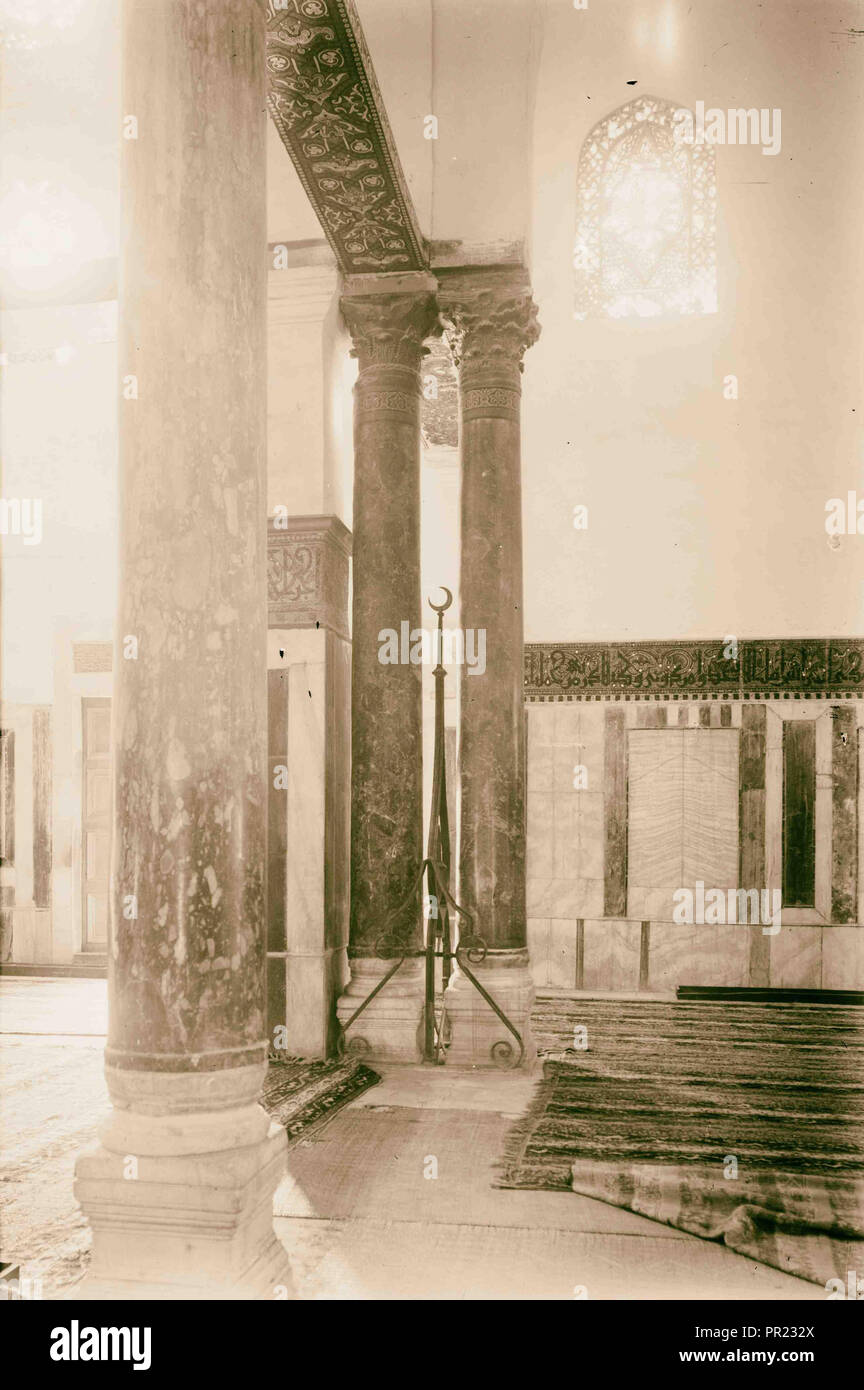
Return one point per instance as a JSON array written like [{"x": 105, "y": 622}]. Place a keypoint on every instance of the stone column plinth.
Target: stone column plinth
[
  {"x": 491, "y": 321},
  {"x": 179, "y": 1192},
  {"x": 388, "y": 330}
]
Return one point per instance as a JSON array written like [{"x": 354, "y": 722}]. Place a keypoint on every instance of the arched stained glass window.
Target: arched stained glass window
[{"x": 645, "y": 217}]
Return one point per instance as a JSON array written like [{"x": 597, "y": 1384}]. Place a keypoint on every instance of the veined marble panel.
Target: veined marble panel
[
  {"x": 541, "y": 764},
  {"x": 612, "y": 949},
  {"x": 711, "y": 807},
  {"x": 656, "y": 810},
  {"x": 539, "y": 945},
  {"x": 563, "y": 952},
  {"x": 773, "y": 799},
  {"x": 697, "y": 955},
  {"x": 540, "y": 822},
  {"x": 564, "y": 897},
  {"x": 796, "y": 958},
  {"x": 683, "y": 815},
  {"x": 842, "y": 957},
  {"x": 541, "y": 728},
  {"x": 565, "y": 810}
]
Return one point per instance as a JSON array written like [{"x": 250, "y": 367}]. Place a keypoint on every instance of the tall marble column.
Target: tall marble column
[
  {"x": 179, "y": 1192},
  {"x": 492, "y": 321},
  {"x": 388, "y": 330}
]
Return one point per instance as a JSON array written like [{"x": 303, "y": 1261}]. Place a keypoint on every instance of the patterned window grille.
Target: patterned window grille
[{"x": 646, "y": 212}]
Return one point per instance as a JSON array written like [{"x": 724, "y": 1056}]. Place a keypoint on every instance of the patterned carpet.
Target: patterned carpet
[
  {"x": 742, "y": 1122},
  {"x": 301, "y": 1095}
]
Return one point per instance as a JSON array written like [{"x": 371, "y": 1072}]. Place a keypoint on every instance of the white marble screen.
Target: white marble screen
[{"x": 682, "y": 815}]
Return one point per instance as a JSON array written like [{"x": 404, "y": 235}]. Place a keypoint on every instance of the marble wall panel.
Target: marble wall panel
[
  {"x": 539, "y": 942},
  {"x": 611, "y": 959},
  {"x": 540, "y": 841},
  {"x": 842, "y": 958},
  {"x": 564, "y": 897},
  {"x": 563, "y": 953},
  {"x": 796, "y": 958},
  {"x": 565, "y": 810},
  {"x": 683, "y": 815},
  {"x": 697, "y": 955},
  {"x": 567, "y": 847}
]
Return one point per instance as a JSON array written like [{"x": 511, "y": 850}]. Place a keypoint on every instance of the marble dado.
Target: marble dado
[
  {"x": 307, "y": 573},
  {"x": 578, "y": 940},
  {"x": 624, "y": 956}
]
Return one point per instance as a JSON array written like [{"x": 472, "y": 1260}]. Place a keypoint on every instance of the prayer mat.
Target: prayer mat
[
  {"x": 301, "y": 1095},
  {"x": 740, "y": 1122}
]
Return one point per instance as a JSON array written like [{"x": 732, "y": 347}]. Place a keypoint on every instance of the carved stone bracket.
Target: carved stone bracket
[
  {"x": 789, "y": 667},
  {"x": 326, "y": 106},
  {"x": 307, "y": 573}
]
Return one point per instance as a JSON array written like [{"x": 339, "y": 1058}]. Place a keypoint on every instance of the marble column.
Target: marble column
[
  {"x": 492, "y": 321},
  {"x": 388, "y": 330},
  {"x": 179, "y": 1191}
]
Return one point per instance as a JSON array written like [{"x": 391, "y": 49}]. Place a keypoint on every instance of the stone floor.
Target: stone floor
[{"x": 392, "y": 1199}]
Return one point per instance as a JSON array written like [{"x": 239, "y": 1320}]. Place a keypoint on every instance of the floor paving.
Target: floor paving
[{"x": 393, "y": 1199}]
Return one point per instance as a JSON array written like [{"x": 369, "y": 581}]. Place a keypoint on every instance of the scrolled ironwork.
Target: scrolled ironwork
[{"x": 474, "y": 949}]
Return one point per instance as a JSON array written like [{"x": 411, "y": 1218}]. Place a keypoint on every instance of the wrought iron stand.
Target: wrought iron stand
[{"x": 439, "y": 904}]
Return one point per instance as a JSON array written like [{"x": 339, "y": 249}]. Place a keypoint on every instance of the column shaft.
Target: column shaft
[
  {"x": 386, "y": 694},
  {"x": 492, "y": 320},
  {"x": 187, "y": 1047}
]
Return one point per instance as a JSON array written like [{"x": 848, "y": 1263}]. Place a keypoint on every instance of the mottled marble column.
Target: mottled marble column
[
  {"x": 388, "y": 330},
  {"x": 492, "y": 321},
  {"x": 180, "y": 1191}
]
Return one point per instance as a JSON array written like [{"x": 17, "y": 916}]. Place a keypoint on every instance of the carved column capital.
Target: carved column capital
[
  {"x": 490, "y": 318},
  {"x": 388, "y": 330}
]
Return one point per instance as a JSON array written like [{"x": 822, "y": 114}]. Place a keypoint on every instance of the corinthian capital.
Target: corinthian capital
[
  {"x": 489, "y": 316},
  {"x": 389, "y": 329}
]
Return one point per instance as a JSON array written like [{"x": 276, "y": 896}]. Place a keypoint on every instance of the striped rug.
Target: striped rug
[{"x": 736, "y": 1121}]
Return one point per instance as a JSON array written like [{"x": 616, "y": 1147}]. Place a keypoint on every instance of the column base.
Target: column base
[
  {"x": 478, "y": 1038},
  {"x": 390, "y": 1029},
  {"x": 181, "y": 1203}
]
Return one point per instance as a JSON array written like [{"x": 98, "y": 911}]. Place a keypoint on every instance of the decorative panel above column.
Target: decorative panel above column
[
  {"x": 327, "y": 108},
  {"x": 307, "y": 573}
]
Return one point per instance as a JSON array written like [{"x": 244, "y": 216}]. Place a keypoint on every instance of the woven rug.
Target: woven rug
[
  {"x": 736, "y": 1122},
  {"x": 300, "y": 1095}
]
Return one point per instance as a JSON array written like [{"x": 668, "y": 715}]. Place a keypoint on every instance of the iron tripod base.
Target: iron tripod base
[
  {"x": 460, "y": 1028},
  {"x": 474, "y": 965}
]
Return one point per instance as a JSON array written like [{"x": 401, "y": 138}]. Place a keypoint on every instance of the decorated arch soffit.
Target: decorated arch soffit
[{"x": 326, "y": 106}]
